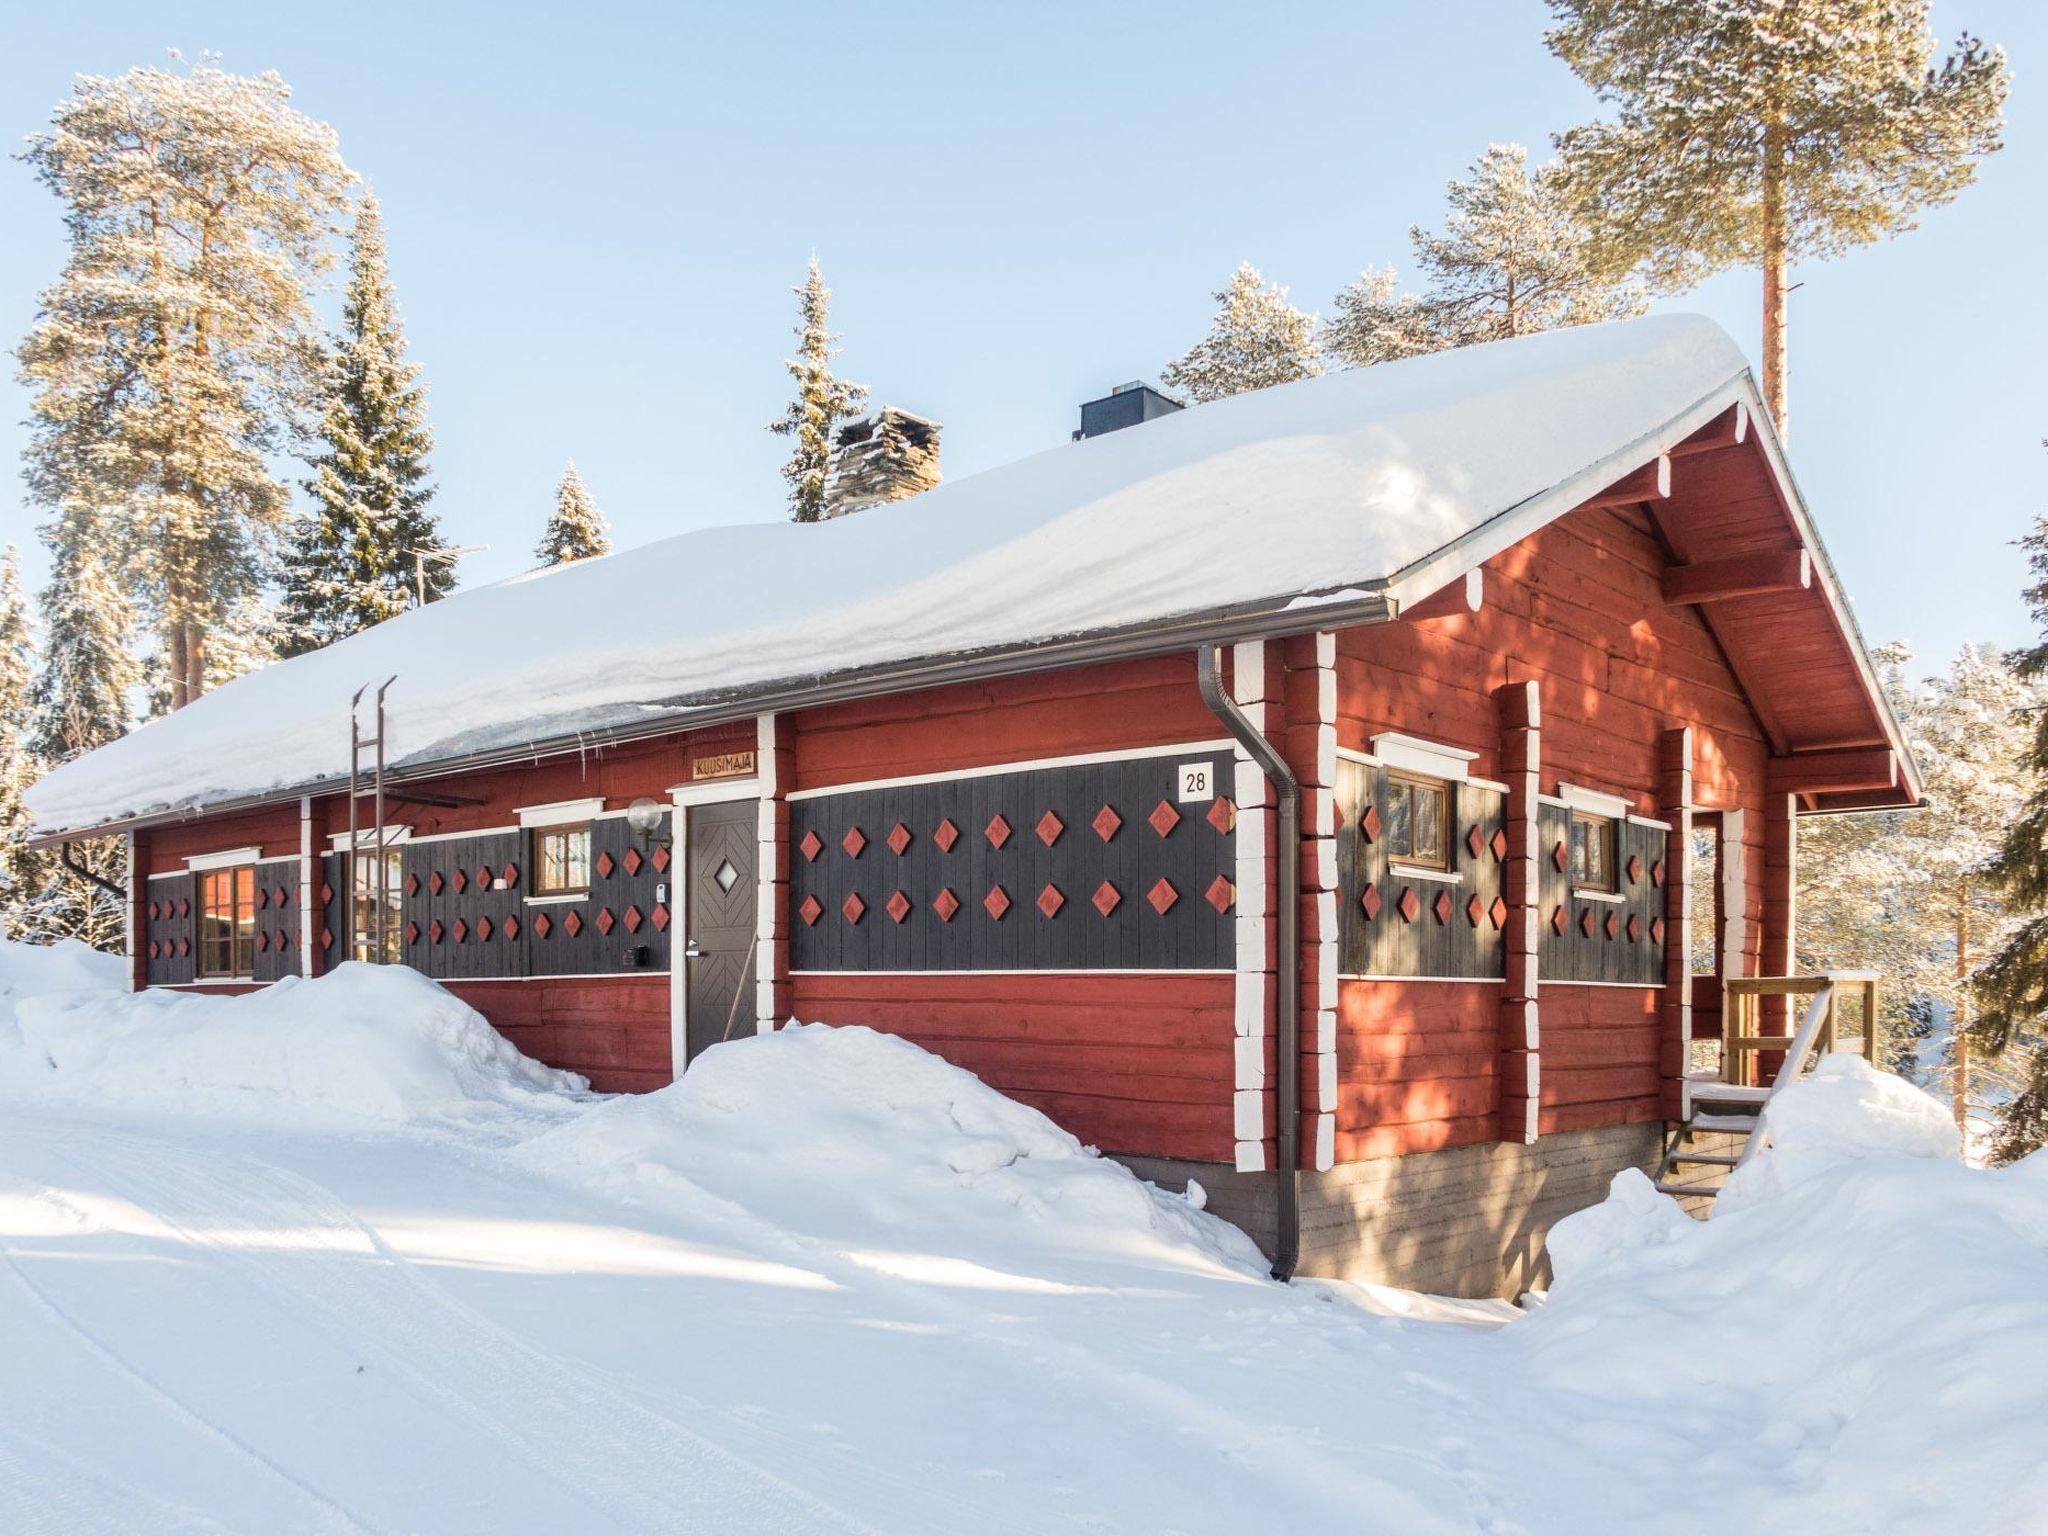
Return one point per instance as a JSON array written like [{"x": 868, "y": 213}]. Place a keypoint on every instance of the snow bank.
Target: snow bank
[
  {"x": 380, "y": 1043},
  {"x": 1349, "y": 480},
  {"x": 28, "y": 970},
  {"x": 1873, "y": 1314},
  {"x": 866, "y": 1141}
]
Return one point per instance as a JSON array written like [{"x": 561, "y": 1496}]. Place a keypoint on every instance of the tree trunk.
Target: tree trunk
[
  {"x": 1959, "y": 1036},
  {"x": 187, "y": 646},
  {"x": 1774, "y": 280}
]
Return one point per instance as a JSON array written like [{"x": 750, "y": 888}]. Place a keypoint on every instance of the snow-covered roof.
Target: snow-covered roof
[{"x": 1380, "y": 479}]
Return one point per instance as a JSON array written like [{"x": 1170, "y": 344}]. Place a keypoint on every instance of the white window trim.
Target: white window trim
[
  {"x": 1593, "y": 802},
  {"x": 366, "y": 839},
  {"x": 558, "y": 898},
  {"x": 715, "y": 791},
  {"x": 1395, "y": 750},
  {"x": 1424, "y": 872},
  {"x": 556, "y": 812},
  {"x": 1589, "y": 893},
  {"x": 227, "y": 858}
]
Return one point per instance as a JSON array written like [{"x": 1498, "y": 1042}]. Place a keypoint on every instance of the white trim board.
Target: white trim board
[
  {"x": 555, "y": 812},
  {"x": 1456, "y": 981},
  {"x": 1179, "y": 971},
  {"x": 1397, "y": 749},
  {"x": 715, "y": 791},
  {"x": 226, "y": 858},
  {"x": 1021, "y": 765}
]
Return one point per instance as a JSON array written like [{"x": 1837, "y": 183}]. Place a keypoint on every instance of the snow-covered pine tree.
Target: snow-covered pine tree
[
  {"x": 1257, "y": 339},
  {"x": 822, "y": 401},
  {"x": 577, "y": 530},
  {"x": 79, "y": 702},
  {"x": 176, "y": 350},
  {"x": 1511, "y": 260},
  {"x": 23, "y": 874},
  {"x": 350, "y": 563},
  {"x": 1755, "y": 133}
]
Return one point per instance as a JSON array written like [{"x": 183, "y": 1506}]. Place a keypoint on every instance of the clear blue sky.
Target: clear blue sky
[{"x": 595, "y": 217}]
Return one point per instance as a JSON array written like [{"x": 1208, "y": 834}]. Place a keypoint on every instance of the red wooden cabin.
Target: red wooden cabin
[{"x": 1304, "y": 793}]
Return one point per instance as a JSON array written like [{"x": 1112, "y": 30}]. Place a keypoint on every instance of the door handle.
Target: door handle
[{"x": 692, "y": 952}]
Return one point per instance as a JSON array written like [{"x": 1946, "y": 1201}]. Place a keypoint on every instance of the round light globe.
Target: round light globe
[{"x": 644, "y": 815}]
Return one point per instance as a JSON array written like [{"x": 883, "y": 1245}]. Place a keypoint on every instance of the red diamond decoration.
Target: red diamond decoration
[
  {"x": 633, "y": 919},
  {"x": 1559, "y": 854},
  {"x": 1656, "y": 930},
  {"x": 1410, "y": 905},
  {"x": 1473, "y": 841},
  {"x": 897, "y": 906},
  {"x": 460, "y": 881},
  {"x": 511, "y": 929},
  {"x": 573, "y": 924},
  {"x": 435, "y": 931},
  {"x": 483, "y": 929},
  {"x": 1635, "y": 869},
  {"x": 1369, "y": 899},
  {"x": 1222, "y": 815},
  {"x": 326, "y": 939},
  {"x": 510, "y": 875},
  {"x": 1370, "y": 824},
  {"x": 1442, "y": 906},
  {"x": 1106, "y": 898},
  {"x": 184, "y": 945},
  {"x": 460, "y": 930},
  {"x": 854, "y": 841},
  {"x": 853, "y": 908},
  {"x": 541, "y": 925},
  {"x": 1050, "y": 901},
  {"x": 1475, "y": 909},
  {"x": 1106, "y": 823},
  {"x": 633, "y": 861},
  {"x": 262, "y": 942},
  {"x": 326, "y": 893},
  {"x": 945, "y": 904},
  {"x": 483, "y": 877},
  {"x": 1049, "y": 829},
  {"x": 435, "y": 882},
  {"x": 1221, "y": 892},
  {"x": 152, "y": 949},
  {"x": 659, "y": 917},
  {"x": 1657, "y": 873},
  {"x": 184, "y": 906},
  {"x": 1586, "y": 921},
  {"x": 810, "y": 848},
  {"x": 899, "y": 839},
  {"x": 996, "y": 902},
  {"x": 1164, "y": 818},
  {"x": 605, "y": 865},
  {"x": 661, "y": 859},
  {"x": 279, "y": 893},
  {"x": 605, "y": 920},
  {"x": 1635, "y": 929},
  {"x": 945, "y": 834},
  {"x": 1162, "y": 895},
  {"x": 1612, "y": 925},
  {"x": 412, "y": 933},
  {"x": 153, "y": 913},
  {"x": 810, "y": 911},
  {"x": 1498, "y": 912},
  {"x": 262, "y": 898},
  {"x": 1500, "y": 843},
  {"x": 997, "y": 831}
]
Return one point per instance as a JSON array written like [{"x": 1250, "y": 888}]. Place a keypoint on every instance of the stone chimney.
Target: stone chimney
[{"x": 884, "y": 456}]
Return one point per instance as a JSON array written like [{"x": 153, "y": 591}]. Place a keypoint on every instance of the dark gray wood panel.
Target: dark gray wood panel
[
  {"x": 171, "y": 931},
  {"x": 1393, "y": 924}
]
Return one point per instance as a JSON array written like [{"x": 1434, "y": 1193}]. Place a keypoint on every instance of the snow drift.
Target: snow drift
[
  {"x": 870, "y": 1142},
  {"x": 30, "y": 970},
  {"x": 366, "y": 1042}
]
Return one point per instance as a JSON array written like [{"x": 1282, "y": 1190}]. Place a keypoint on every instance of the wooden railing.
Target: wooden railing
[{"x": 1822, "y": 1029}]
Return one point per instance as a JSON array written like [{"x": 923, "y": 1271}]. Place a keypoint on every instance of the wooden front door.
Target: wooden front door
[{"x": 720, "y": 903}]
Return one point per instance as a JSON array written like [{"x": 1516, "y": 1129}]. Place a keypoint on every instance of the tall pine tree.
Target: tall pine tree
[
  {"x": 822, "y": 401},
  {"x": 174, "y": 354},
  {"x": 23, "y": 874},
  {"x": 1511, "y": 260},
  {"x": 1257, "y": 339},
  {"x": 1757, "y": 133},
  {"x": 351, "y": 563},
  {"x": 577, "y": 530}
]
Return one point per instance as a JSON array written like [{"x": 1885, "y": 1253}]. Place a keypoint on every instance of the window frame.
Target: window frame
[
  {"x": 542, "y": 890},
  {"x": 238, "y": 946},
  {"x": 1406, "y": 781},
  {"x": 361, "y": 891},
  {"x": 1609, "y": 828}
]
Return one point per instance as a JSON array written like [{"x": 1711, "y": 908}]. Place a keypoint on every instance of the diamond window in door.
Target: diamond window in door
[{"x": 725, "y": 876}]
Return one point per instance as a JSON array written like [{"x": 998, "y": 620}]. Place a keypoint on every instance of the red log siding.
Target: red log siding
[
  {"x": 612, "y": 1029},
  {"x": 1578, "y": 609},
  {"x": 274, "y": 829},
  {"x": 1138, "y": 1064}
]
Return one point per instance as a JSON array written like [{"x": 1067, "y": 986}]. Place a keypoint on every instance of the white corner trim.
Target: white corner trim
[
  {"x": 1593, "y": 801},
  {"x": 558, "y": 811},
  {"x": 225, "y": 858},
  {"x": 1396, "y": 750}
]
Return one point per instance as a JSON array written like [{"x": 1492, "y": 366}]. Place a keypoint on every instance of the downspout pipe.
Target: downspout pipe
[
  {"x": 1287, "y": 933},
  {"x": 119, "y": 893}
]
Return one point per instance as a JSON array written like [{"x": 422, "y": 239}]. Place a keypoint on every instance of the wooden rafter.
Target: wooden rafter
[{"x": 1746, "y": 575}]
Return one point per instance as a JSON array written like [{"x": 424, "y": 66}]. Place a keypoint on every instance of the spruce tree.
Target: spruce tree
[
  {"x": 351, "y": 561},
  {"x": 174, "y": 354},
  {"x": 23, "y": 874},
  {"x": 822, "y": 401},
  {"x": 577, "y": 530},
  {"x": 1757, "y": 133},
  {"x": 1257, "y": 339},
  {"x": 1511, "y": 260}
]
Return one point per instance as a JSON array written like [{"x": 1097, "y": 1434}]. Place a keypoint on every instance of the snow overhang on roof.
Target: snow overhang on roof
[{"x": 1330, "y": 500}]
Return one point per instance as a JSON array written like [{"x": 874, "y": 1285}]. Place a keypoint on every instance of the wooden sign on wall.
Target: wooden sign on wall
[{"x": 722, "y": 765}]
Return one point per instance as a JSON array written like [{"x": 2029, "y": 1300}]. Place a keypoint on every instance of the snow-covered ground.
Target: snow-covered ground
[{"x": 334, "y": 1259}]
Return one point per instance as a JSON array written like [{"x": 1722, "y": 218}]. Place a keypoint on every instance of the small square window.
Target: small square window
[
  {"x": 1418, "y": 810},
  {"x": 1592, "y": 852},
  {"x": 561, "y": 860}
]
